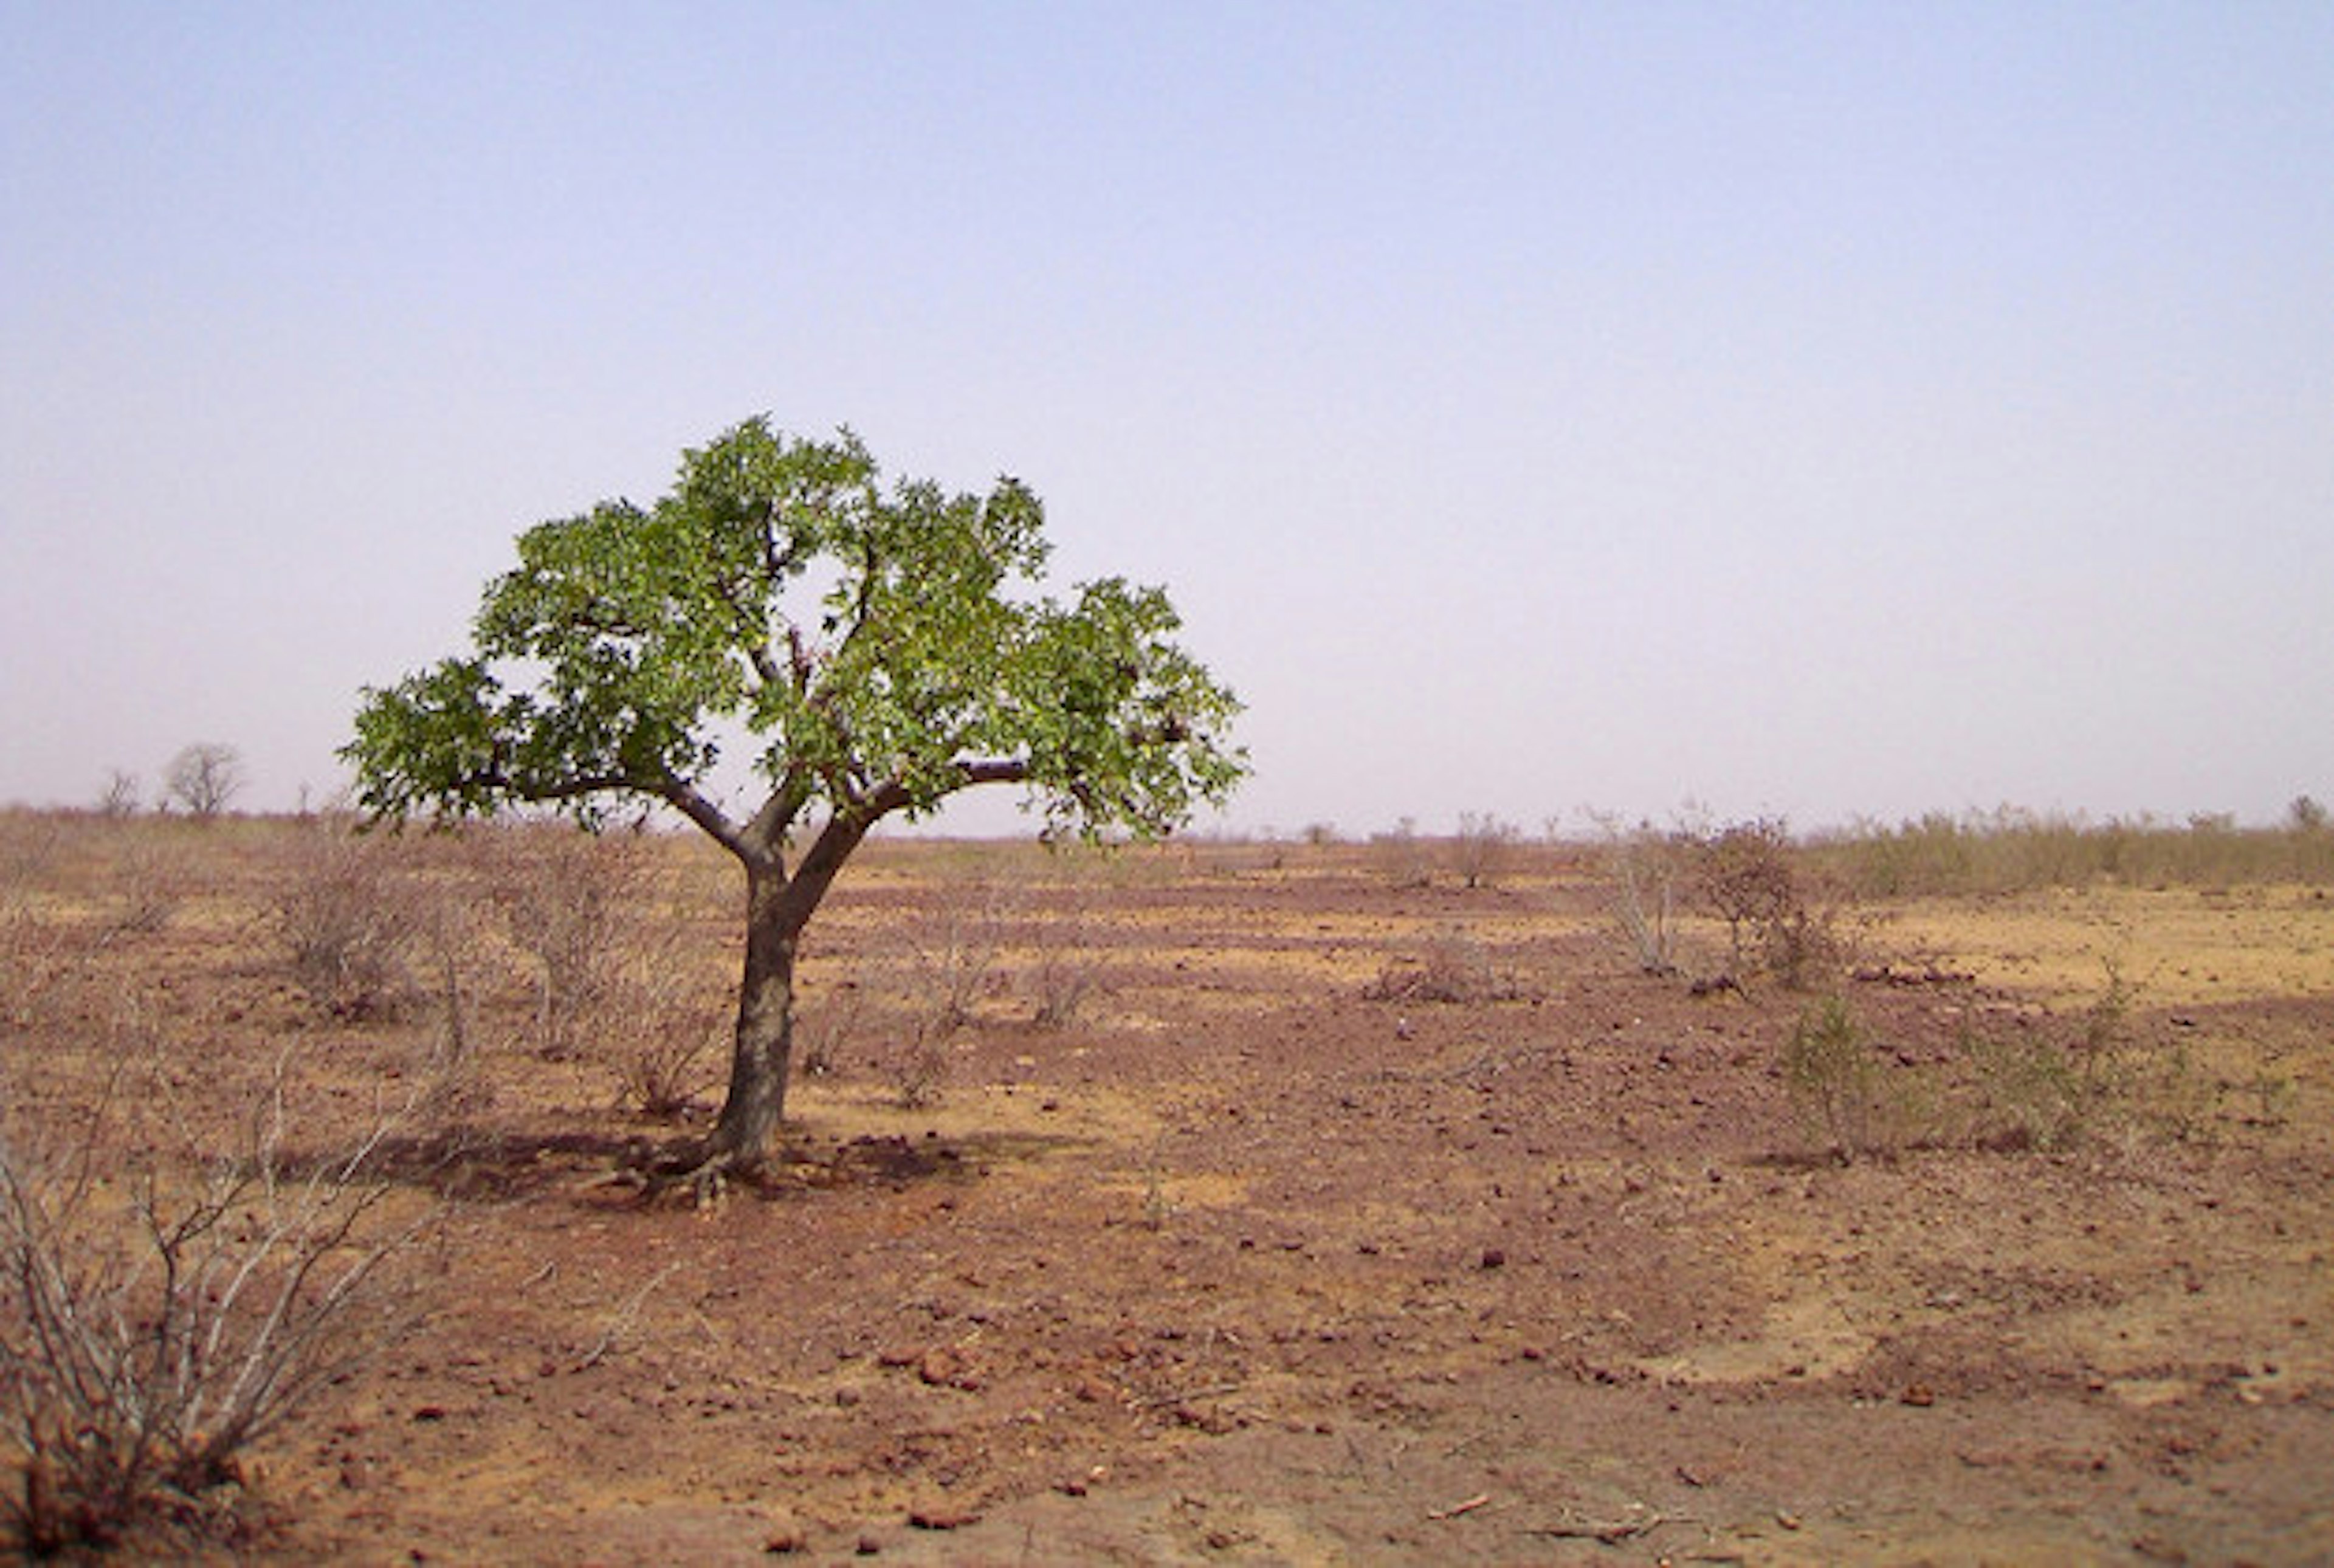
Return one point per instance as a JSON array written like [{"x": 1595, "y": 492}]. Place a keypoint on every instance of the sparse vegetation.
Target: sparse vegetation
[
  {"x": 158, "y": 1319},
  {"x": 205, "y": 778},
  {"x": 1838, "y": 1087},
  {"x": 1482, "y": 848},
  {"x": 343, "y": 915},
  {"x": 1402, "y": 855},
  {"x": 121, "y": 796},
  {"x": 1237, "y": 1139},
  {"x": 1647, "y": 868},
  {"x": 2011, "y": 850},
  {"x": 566, "y": 898},
  {"x": 1454, "y": 967}
]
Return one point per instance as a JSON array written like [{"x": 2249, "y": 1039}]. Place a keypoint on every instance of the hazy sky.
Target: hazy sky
[{"x": 1826, "y": 410}]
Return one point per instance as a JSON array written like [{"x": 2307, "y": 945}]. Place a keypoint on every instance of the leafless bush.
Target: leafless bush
[
  {"x": 1481, "y": 847},
  {"x": 155, "y": 1323},
  {"x": 121, "y": 796},
  {"x": 666, "y": 1041},
  {"x": 29, "y": 845},
  {"x": 918, "y": 1064},
  {"x": 342, "y": 918},
  {"x": 565, "y": 895},
  {"x": 948, "y": 961},
  {"x": 1647, "y": 867},
  {"x": 1454, "y": 967},
  {"x": 953, "y": 952},
  {"x": 1067, "y": 974},
  {"x": 827, "y": 1024},
  {"x": 1401, "y": 855}
]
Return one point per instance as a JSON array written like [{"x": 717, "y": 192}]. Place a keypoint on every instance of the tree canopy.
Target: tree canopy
[{"x": 882, "y": 644}]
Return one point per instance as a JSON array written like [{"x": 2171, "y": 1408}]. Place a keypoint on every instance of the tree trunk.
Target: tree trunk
[{"x": 762, "y": 1056}]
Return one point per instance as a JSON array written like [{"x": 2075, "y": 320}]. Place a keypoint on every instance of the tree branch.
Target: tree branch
[
  {"x": 690, "y": 802},
  {"x": 893, "y": 795}
]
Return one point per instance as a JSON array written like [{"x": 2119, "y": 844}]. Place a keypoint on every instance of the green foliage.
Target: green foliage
[
  {"x": 1833, "y": 1073},
  {"x": 883, "y": 643},
  {"x": 2036, "y": 1090}
]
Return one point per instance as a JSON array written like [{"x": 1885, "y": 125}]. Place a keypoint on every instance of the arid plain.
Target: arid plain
[{"x": 1238, "y": 1202}]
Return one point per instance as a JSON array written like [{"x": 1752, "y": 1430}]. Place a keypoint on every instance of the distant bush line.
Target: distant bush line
[{"x": 2015, "y": 850}]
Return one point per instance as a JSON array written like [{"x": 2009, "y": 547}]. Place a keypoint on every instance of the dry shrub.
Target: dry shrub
[
  {"x": 1647, "y": 868},
  {"x": 663, "y": 1028},
  {"x": 160, "y": 1314},
  {"x": 565, "y": 896},
  {"x": 826, "y": 1026},
  {"x": 1066, "y": 974},
  {"x": 944, "y": 961},
  {"x": 342, "y": 917},
  {"x": 1454, "y": 967},
  {"x": 1402, "y": 855},
  {"x": 1779, "y": 918},
  {"x": 1481, "y": 847},
  {"x": 951, "y": 953}
]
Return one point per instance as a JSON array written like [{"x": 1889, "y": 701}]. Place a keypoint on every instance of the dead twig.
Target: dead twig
[
  {"x": 1607, "y": 1532},
  {"x": 622, "y": 1320},
  {"x": 1185, "y": 1396},
  {"x": 1479, "y": 1500}
]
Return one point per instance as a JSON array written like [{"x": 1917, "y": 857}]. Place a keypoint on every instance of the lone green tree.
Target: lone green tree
[{"x": 884, "y": 646}]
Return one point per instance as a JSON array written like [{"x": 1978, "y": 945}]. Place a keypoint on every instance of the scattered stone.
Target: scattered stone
[{"x": 942, "y": 1519}]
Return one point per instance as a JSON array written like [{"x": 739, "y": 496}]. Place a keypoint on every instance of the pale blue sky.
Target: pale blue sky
[{"x": 1862, "y": 409}]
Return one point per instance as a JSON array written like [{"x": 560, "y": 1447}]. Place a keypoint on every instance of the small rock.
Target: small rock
[
  {"x": 942, "y": 1519},
  {"x": 1494, "y": 1257}
]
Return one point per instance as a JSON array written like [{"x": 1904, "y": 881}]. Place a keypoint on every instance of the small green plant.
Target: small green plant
[
  {"x": 2045, "y": 1091},
  {"x": 1832, "y": 1072},
  {"x": 2029, "y": 1092}
]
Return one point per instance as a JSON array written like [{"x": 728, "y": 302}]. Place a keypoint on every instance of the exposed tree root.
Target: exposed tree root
[{"x": 703, "y": 1168}]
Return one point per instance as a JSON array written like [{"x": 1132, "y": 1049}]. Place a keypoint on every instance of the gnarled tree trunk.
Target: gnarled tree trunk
[
  {"x": 777, "y": 908},
  {"x": 761, "y": 1057}
]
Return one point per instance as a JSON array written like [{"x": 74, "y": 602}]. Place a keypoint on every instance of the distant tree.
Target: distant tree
[
  {"x": 204, "y": 778},
  {"x": 882, "y": 643},
  {"x": 2305, "y": 815},
  {"x": 122, "y": 794}
]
